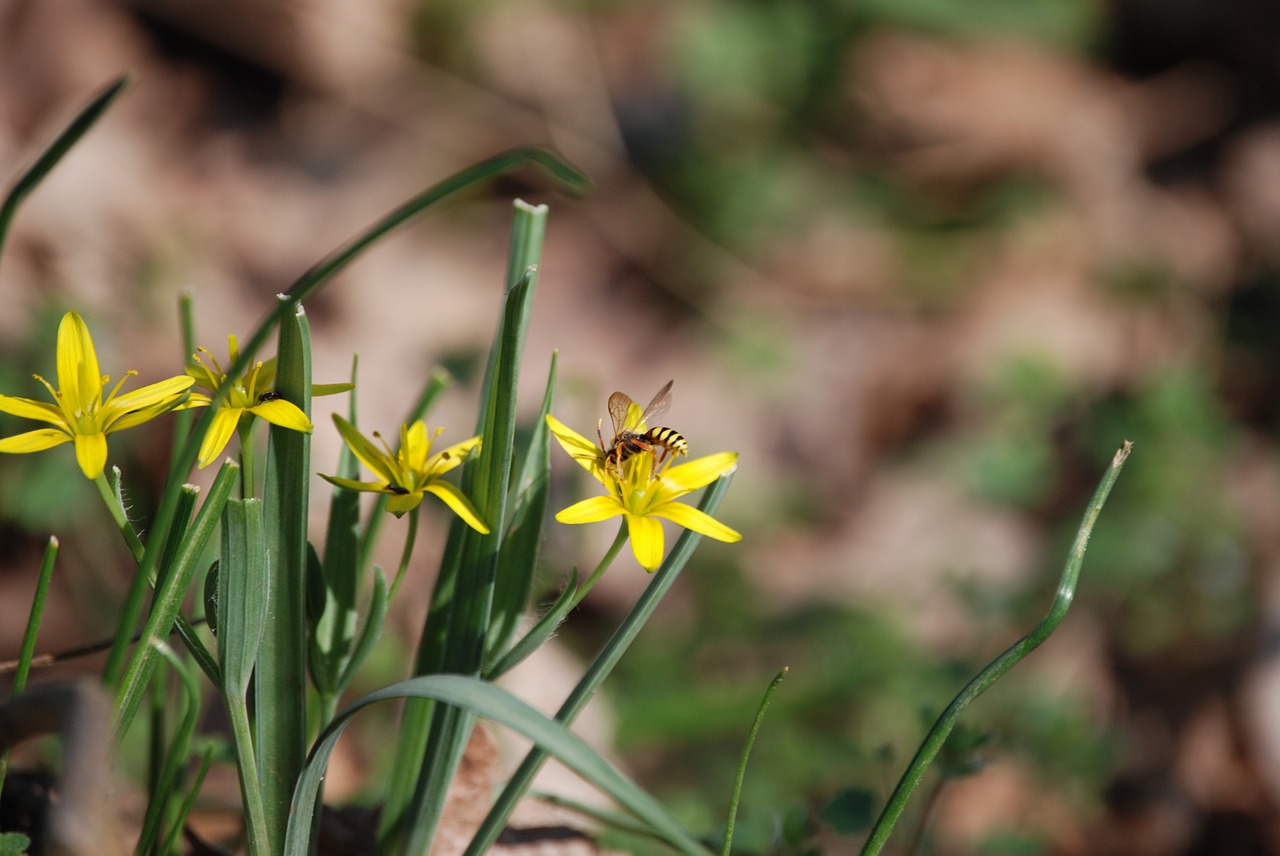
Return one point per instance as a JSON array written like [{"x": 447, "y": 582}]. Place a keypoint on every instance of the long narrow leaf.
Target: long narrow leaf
[
  {"x": 486, "y": 700},
  {"x": 519, "y": 556},
  {"x": 334, "y": 632},
  {"x": 280, "y": 695},
  {"x": 49, "y": 158}
]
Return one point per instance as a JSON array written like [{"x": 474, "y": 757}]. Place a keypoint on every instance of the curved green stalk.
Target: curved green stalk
[
  {"x": 937, "y": 736},
  {"x": 604, "y": 565},
  {"x": 115, "y": 506},
  {"x": 410, "y": 539},
  {"x": 736, "y": 796}
]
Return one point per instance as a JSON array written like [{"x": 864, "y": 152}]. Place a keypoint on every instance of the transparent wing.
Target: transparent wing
[
  {"x": 620, "y": 407},
  {"x": 657, "y": 408}
]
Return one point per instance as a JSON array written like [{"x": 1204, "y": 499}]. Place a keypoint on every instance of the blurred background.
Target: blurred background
[{"x": 925, "y": 264}]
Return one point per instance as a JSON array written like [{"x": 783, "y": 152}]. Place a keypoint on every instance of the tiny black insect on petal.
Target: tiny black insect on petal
[
  {"x": 397, "y": 490},
  {"x": 269, "y": 395}
]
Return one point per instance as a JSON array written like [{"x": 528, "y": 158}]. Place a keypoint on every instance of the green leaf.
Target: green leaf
[
  {"x": 486, "y": 700},
  {"x": 334, "y": 632},
  {"x": 49, "y": 158},
  {"x": 242, "y": 581},
  {"x": 280, "y": 723},
  {"x": 519, "y": 556}
]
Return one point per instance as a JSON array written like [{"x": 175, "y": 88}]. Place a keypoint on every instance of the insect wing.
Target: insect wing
[
  {"x": 656, "y": 409},
  {"x": 621, "y": 409}
]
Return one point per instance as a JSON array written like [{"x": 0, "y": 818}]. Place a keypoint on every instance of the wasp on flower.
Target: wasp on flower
[
  {"x": 642, "y": 489},
  {"x": 632, "y": 434}
]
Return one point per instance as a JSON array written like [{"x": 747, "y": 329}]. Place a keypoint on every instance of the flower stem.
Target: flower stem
[
  {"x": 410, "y": 539},
  {"x": 605, "y": 562},
  {"x": 937, "y": 736},
  {"x": 115, "y": 507}
]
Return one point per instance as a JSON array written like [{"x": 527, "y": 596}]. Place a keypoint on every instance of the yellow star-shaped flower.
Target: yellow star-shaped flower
[
  {"x": 79, "y": 412},
  {"x": 642, "y": 495},
  {"x": 411, "y": 472},
  {"x": 253, "y": 394}
]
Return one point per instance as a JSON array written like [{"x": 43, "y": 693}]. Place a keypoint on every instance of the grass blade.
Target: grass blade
[
  {"x": 280, "y": 679},
  {"x": 519, "y": 555},
  {"x": 937, "y": 735},
  {"x": 49, "y": 158}
]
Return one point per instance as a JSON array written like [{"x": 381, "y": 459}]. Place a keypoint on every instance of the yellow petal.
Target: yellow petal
[
  {"x": 415, "y": 446},
  {"x": 588, "y": 455},
  {"x": 91, "y": 454},
  {"x": 33, "y": 441},
  {"x": 399, "y": 503},
  {"x": 451, "y": 457},
  {"x": 367, "y": 453},
  {"x": 699, "y": 521},
  {"x": 146, "y": 396},
  {"x": 646, "y": 541},
  {"x": 193, "y": 400},
  {"x": 286, "y": 414},
  {"x": 225, "y": 420},
  {"x": 137, "y": 417},
  {"x": 699, "y": 472},
  {"x": 79, "y": 379},
  {"x": 28, "y": 409},
  {"x": 591, "y": 510},
  {"x": 460, "y": 504}
]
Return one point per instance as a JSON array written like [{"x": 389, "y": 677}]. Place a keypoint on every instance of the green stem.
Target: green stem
[
  {"x": 937, "y": 736},
  {"x": 28, "y": 650},
  {"x": 410, "y": 539},
  {"x": 255, "y": 811},
  {"x": 742, "y": 762},
  {"x": 605, "y": 563},
  {"x": 115, "y": 507}
]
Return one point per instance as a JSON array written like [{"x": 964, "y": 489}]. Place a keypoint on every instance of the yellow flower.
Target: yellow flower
[
  {"x": 79, "y": 413},
  {"x": 641, "y": 495},
  {"x": 412, "y": 472},
  {"x": 252, "y": 395}
]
